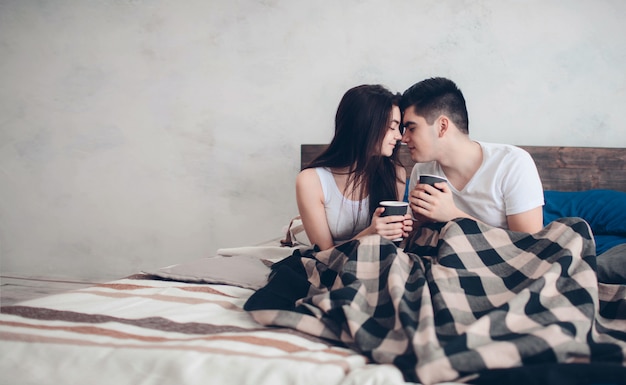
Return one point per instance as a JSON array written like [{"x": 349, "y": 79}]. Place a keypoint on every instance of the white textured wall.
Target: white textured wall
[{"x": 136, "y": 134}]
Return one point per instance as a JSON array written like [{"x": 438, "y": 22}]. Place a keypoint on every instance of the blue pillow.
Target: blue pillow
[
  {"x": 606, "y": 242},
  {"x": 604, "y": 210}
]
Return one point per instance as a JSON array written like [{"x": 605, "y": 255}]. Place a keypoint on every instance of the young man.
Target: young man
[{"x": 496, "y": 184}]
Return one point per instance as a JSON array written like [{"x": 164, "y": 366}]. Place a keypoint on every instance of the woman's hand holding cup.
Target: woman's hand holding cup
[{"x": 396, "y": 222}]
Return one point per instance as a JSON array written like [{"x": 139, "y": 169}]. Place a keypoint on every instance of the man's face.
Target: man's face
[{"x": 418, "y": 135}]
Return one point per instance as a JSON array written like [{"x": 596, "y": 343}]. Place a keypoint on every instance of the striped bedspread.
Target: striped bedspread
[
  {"x": 464, "y": 302},
  {"x": 142, "y": 330}
]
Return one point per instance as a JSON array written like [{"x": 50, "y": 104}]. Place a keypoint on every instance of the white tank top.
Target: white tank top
[{"x": 346, "y": 218}]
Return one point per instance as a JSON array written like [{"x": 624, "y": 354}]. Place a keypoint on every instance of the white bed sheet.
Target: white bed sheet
[{"x": 141, "y": 330}]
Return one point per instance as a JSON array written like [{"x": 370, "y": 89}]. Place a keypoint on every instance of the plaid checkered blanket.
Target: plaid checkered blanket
[{"x": 463, "y": 297}]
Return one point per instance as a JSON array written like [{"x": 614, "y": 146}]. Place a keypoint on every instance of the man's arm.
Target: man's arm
[{"x": 530, "y": 221}]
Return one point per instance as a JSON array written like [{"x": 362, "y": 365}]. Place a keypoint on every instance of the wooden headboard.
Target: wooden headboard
[{"x": 560, "y": 168}]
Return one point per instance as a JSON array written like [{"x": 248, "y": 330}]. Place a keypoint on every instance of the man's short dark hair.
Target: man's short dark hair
[{"x": 434, "y": 97}]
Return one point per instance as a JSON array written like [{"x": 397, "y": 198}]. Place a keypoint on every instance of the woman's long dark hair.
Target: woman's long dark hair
[{"x": 363, "y": 117}]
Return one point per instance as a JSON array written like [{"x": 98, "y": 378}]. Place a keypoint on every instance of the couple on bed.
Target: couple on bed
[
  {"x": 493, "y": 298},
  {"x": 338, "y": 194}
]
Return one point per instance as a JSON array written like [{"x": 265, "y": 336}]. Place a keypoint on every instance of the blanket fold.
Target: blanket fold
[{"x": 461, "y": 299}]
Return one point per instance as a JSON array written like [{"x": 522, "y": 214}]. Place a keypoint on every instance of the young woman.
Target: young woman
[{"x": 338, "y": 192}]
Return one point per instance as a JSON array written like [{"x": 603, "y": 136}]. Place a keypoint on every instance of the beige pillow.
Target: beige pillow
[{"x": 239, "y": 270}]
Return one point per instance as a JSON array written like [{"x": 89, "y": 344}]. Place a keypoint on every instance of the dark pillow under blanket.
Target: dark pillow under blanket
[
  {"x": 604, "y": 210},
  {"x": 611, "y": 266}
]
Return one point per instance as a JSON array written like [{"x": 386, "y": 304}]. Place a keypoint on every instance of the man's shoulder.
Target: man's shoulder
[
  {"x": 498, "y": 146},
  {"x": 503, "y": 151}
]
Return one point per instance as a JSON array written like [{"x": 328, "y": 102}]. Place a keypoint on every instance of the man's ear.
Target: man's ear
[{"x": 443, "y": 125}]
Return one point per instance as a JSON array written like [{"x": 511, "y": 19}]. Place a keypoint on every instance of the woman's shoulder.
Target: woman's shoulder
[
  {"x": 312, "y": 176},
  {"x": 314, "y": 172},
  {"x": 306, "y": 174}
]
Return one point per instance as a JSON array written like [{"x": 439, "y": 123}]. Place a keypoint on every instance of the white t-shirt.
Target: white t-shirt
[
  {"x": 506, "y": 183},
  {"x": 346, "y": 218}
]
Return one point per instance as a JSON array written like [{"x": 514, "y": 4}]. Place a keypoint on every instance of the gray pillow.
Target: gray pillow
[{"x": 612, "y": 265}]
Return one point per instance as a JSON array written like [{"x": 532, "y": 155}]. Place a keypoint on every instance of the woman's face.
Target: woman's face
[{"x": 393, "y": 134}]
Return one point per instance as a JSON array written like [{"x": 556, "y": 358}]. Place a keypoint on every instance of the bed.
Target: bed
[{"x": 209, "y": 321}]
